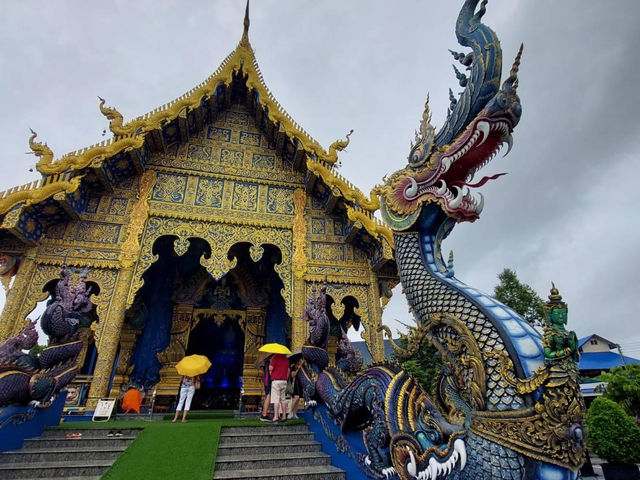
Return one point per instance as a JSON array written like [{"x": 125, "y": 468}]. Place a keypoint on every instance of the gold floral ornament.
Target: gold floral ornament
[
  {"x": 337, "y": 309},
  {"x": 256, "y": 252},
  {"x": 181, "y": 245}
]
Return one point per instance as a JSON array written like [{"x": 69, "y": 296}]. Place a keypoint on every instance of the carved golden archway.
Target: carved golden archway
[
  {"x": 369, "y": 310},
  {"x": 220, "y": 237}
]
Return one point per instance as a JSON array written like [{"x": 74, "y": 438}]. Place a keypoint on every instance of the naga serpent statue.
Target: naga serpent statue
[
  {"x": 508, "y": 403},
  {"x": 25, "y": 378}
]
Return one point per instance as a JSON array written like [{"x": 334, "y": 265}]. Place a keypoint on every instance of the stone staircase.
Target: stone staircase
[
  {"x": 53, "y": 455},
  {"x": 272, "y": 452}
]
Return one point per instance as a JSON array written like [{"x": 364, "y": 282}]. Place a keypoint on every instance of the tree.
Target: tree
[
  {"x": 424, "y": 365},
  {"x": 520, "y": 297},
  {"x": 623, "y": 387}
]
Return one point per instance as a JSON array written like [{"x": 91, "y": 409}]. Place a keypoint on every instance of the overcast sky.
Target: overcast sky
[{"x": 566, "y": 212}]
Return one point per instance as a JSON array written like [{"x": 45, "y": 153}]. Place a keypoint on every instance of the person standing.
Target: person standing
[
  {"x": 264, "y": 416},
  {"x": 297, "y": 388},
  {"x": 279, "y": 371},
  {"x": 188, "y": 387}
]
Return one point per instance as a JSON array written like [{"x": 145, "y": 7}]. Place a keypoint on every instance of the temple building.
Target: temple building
[{"x": 202, "y": 227}]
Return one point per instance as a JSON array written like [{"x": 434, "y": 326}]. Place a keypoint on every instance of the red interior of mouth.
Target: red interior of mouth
[{"x": 477, "y": 155}]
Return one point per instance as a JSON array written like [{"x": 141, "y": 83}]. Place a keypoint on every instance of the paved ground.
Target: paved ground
[{"x": 595, "y": 462}]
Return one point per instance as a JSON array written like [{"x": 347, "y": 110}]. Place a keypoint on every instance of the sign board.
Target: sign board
[{"x": 103, "y": 409}]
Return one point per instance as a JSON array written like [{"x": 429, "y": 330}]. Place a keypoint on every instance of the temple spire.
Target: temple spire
[{"x": 245, "y": 34}]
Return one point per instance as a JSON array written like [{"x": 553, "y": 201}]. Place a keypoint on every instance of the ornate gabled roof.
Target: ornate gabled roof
[{"x": 134, "y": 141}]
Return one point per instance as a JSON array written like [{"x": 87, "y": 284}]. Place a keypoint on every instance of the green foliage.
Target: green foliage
[
  {"x": 36, "y": 350},
  {"x": 424, "y": 365},
  {"x": 519, "y": 296},
  {"x": 613, "y": 435},
  {"x": 623, "y": 387}
]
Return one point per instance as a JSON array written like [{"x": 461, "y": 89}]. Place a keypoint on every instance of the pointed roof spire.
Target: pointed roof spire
[{"x": 245, "y": 34}]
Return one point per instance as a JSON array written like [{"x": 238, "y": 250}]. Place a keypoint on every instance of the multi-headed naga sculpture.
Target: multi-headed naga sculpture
[
  {"x": 25, "y": 378},
  {"x": 508, "y": 405}
]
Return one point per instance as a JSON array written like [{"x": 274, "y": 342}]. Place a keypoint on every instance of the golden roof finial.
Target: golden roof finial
[
  {"x": 41, "y": 150},
  {"x": 245, "y": 34}
]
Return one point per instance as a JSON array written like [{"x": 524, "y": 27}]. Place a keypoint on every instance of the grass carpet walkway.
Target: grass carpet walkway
[{"x": 170, "y": 450}]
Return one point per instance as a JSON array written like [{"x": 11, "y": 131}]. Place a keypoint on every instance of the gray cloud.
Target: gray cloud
[{"x": 566, "y": 211}]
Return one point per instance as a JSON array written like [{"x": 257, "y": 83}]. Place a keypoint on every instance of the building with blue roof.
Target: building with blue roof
[{"x": 597, "y": 355}]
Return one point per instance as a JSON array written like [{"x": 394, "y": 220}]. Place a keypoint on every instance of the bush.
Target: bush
[
  {"x": 613, "y": 435},
  {"x": 623, "y": 387}
]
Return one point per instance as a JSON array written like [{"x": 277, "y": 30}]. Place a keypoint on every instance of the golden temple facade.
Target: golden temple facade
[{"x": 204, "y": 226}]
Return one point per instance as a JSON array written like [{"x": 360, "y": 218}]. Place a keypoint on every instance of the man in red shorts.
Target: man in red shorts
[{"x": 279, "y": 371}]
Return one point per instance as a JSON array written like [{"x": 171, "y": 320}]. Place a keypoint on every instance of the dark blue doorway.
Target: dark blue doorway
[{"x": 220, "y": 337}]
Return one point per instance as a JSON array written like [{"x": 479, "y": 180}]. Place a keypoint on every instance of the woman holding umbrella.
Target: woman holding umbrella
[{"x": 189, "y": 367}]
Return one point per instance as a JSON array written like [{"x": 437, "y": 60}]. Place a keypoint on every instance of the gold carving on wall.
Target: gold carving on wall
[
  {"x": 131, "y": 246},
  {"x": 15, "y": 298},
  {"x": 256, "y": 252},
  {"x": 245, "y": 197},
  {"x": 299, "y": 260},
  {"x": 220, "y": 237},
  {"x": 218, "y": 316},
  {"x": 169, "y": 188}
]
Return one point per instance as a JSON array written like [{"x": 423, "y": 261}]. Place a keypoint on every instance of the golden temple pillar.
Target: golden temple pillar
[
  {"x": 253, "y": 339},
  {"x": 375, "y": 343},
  {"x": 15, "y": 297},
  {"x": 110, "y": 338},
  {"x": 299, "y": 266},
  {"x": 127, "y": 342}
]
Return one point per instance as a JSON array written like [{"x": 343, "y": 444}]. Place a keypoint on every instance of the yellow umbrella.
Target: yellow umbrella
[
  {"x": 193, "y": 365},
  {"x": 274, "y": 348}
]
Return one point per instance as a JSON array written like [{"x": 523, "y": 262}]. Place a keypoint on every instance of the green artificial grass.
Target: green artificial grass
[{"x": 170, "y": 450}]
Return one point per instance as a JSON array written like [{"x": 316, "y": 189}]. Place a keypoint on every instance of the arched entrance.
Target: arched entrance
[
  {"x": 181, "y": 309},
  {"x": 219, "y": 335},
  {"x": 350, "y": 319}
]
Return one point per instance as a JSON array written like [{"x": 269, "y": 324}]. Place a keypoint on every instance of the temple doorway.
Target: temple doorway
[
  {"x": 182, "y": 310},
  {"x": 219, "y": 335}
]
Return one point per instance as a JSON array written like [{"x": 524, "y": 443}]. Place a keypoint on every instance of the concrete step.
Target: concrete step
[
  {"x": 75, "y": 452},
  {"x": 276, "y": 448},
  {"x": 266, "y": 429},
  {"x": 58, "y": 469},
  {"x": 265, "y": 437},
  {"x": 51, "y": 443},
  {"x": 319, "y": 472},
  {"x": 90, "y": 432},
  {"x": 263, "y": 461}
]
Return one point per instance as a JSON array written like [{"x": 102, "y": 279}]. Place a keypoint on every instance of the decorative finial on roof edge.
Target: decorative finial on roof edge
[{"x": 245, "y": 34}]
